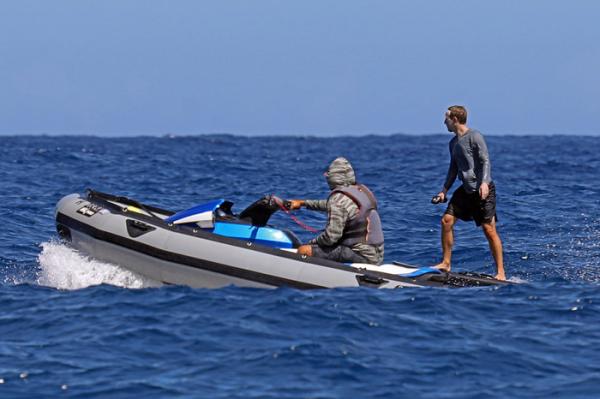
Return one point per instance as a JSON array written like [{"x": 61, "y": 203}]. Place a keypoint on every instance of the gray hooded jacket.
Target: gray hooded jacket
[{"x": 340, "y": 208}]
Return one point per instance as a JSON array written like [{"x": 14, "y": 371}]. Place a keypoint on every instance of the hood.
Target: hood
[{"x": 340, "y": 173}]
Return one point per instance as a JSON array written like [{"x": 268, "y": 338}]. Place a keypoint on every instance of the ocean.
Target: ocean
[{"x": 76, "y": 327}]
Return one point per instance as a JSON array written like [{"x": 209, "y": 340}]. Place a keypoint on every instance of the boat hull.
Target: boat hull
[{"x": 139, "y": 239}]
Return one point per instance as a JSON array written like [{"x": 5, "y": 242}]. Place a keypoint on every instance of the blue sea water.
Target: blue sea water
[{"x": 75, "y": 327}]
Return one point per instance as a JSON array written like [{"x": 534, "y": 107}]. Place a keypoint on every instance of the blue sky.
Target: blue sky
[{"x": 297, "y": 67}]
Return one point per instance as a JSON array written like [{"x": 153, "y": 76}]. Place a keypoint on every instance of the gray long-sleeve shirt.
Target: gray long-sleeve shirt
[{"x": 469, "y": 160}]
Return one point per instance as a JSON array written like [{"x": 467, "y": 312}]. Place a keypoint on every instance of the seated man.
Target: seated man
[{"x": 353, "y": 232}]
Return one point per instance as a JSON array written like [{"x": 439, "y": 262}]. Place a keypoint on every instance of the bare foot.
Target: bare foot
[
  {"x": 443, "y": 266},
  {"x": 500, "y": 276}
]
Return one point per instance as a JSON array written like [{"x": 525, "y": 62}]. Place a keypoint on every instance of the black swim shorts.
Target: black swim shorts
[{"x": 469, "y": 206}]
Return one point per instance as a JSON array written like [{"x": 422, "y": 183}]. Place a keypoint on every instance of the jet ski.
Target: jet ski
[{"x": 210, "y": 246}]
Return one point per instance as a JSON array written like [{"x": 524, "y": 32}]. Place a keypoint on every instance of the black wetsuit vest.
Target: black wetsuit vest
[{"x": 365, "y": 228}]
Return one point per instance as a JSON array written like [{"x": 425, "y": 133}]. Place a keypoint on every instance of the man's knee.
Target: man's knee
[
  {"x": 448, "y": 221},
  {"x": 489, "y": 229}
]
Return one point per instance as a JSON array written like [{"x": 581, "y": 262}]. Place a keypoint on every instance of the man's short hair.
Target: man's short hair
[{"x": 459, "y": 112}]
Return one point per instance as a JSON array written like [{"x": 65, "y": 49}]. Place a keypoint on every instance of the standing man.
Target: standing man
[{"x": 475, "y": 199}]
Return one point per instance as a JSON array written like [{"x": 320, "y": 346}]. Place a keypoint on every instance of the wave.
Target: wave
[{"x": 65, "y": 268}]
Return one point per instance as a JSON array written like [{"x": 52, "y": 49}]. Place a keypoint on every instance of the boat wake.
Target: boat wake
[{"x": 64, "y": 268}]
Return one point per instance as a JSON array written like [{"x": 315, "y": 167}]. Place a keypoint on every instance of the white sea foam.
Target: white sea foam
[
  {"x": 517, "y": 280},
  {"x": 64, "y": 268}
]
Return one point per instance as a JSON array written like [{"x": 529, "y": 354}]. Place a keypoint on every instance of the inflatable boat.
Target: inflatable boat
[{"x": 210, "y": 246}]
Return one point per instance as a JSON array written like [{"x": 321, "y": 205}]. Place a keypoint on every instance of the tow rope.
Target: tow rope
[{"x": 294, "y": 218}]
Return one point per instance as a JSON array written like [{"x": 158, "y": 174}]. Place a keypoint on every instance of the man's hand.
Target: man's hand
[
  {"x": 305, "y": 250},
  {"x": 484, "y": 191},
  {"x": 296, "y": 204},
  {"x": 439, "y": 198}
]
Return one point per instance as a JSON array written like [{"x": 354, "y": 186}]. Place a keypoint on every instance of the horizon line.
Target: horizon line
[{"x": 287, "y": 135}]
